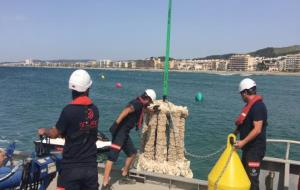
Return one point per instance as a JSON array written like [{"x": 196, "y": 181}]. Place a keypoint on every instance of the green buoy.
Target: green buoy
[{"x": 199, "y": 97}]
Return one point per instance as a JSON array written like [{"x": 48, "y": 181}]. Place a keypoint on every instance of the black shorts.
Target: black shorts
[{"x": 121, "y": 141}]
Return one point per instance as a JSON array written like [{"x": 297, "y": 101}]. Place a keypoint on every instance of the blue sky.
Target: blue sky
[{"x": 133, "y": 29}]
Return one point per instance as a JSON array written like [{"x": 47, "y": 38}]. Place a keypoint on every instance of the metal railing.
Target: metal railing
[
  {"x": 288, "y": 164},
  {"x": 288, "y": 145}
]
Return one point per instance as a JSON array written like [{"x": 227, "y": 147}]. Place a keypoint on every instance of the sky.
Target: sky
[{"x": 136, "y": 29}]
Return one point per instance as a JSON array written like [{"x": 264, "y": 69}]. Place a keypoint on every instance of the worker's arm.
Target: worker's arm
[
  {"x": 258, "y": 125},
  {"x": 129, "y": 109},
  {"x": 52, "y": 132}
]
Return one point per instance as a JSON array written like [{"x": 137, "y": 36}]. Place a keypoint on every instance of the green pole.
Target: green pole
[{"x": 166, "y": 66}]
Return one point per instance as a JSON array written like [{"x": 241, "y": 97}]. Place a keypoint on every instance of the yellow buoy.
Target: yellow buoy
[{"x": 228, "y": 173}]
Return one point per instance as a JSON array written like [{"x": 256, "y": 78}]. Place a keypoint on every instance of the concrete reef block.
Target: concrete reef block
[
  {"x": 162, "y": 141},
  {"x": 177, "y": 168}
]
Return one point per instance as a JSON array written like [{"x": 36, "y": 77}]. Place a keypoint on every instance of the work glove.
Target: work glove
[
  {"x": 113, "y": 128},
  {"x": 156, "y": 108},
  {"x": 102, "y": 137}
]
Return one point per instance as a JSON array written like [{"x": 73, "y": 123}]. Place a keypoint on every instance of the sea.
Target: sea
[{"x": 31, "y": 98}]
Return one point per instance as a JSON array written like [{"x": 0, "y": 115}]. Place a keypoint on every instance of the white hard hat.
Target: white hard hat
[
  {"x": 151, "y": 93},
  {"x": 246, "y": 84},
  {"x": 80, "y": 81}
]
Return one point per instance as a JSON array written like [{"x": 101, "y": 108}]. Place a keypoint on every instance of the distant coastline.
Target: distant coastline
[{"x": 222, "y": 73}]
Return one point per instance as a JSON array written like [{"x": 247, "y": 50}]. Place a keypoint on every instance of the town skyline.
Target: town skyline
[{"x": 283, "y": 62}]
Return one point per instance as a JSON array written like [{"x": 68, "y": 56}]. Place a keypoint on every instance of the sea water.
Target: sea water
[{"x": 31, "y": 98}]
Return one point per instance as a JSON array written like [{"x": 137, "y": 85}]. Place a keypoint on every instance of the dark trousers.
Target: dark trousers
[
  {"x": 251, "y": 160},
  {"x": 78, "y": 178}
]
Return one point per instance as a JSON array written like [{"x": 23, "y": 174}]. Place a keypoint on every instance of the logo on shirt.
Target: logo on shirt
[
  {"x": 253, "y": 172},
  {"x": 90, "y": 114},
  {"x": 91, "y": 123}
]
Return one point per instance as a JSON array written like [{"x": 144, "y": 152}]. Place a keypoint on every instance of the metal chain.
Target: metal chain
[
  {"x": 185, "y": 151},
  {"x": 204, "y": 156}
]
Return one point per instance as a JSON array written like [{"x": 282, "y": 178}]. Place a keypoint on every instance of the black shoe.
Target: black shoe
[
  {"x": 126, "y": 180},
  {"x": 106, "y": 187}
]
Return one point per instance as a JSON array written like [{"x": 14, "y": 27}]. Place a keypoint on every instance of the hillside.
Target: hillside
[
  {"x": 265, "y": 52},
  {"x": 275, "y": 52}
]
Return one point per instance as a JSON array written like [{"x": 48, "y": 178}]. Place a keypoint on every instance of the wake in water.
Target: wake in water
[{"x": 4, "y": 141}]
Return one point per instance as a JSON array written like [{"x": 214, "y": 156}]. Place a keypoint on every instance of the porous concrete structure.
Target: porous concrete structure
[{"x": 162, "y": 141}]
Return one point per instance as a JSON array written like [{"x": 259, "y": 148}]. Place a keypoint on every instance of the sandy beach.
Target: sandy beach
[{"x": 223, "y": 73}]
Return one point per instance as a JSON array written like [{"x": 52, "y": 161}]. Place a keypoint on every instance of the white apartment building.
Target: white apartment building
[
  {"x": 242, "y": 62},
  {"x": 133, "y": 65},
  {"x": 28, "y": 61},
  {"x": 158, "y": 64},
  {"x": 293, "y": 63},
  {"x": 185, "y": 64},
  {"x": 202, "y": 64},
  {"x": 275, "y": 63},
  {"x": 104, "y": 63}
]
